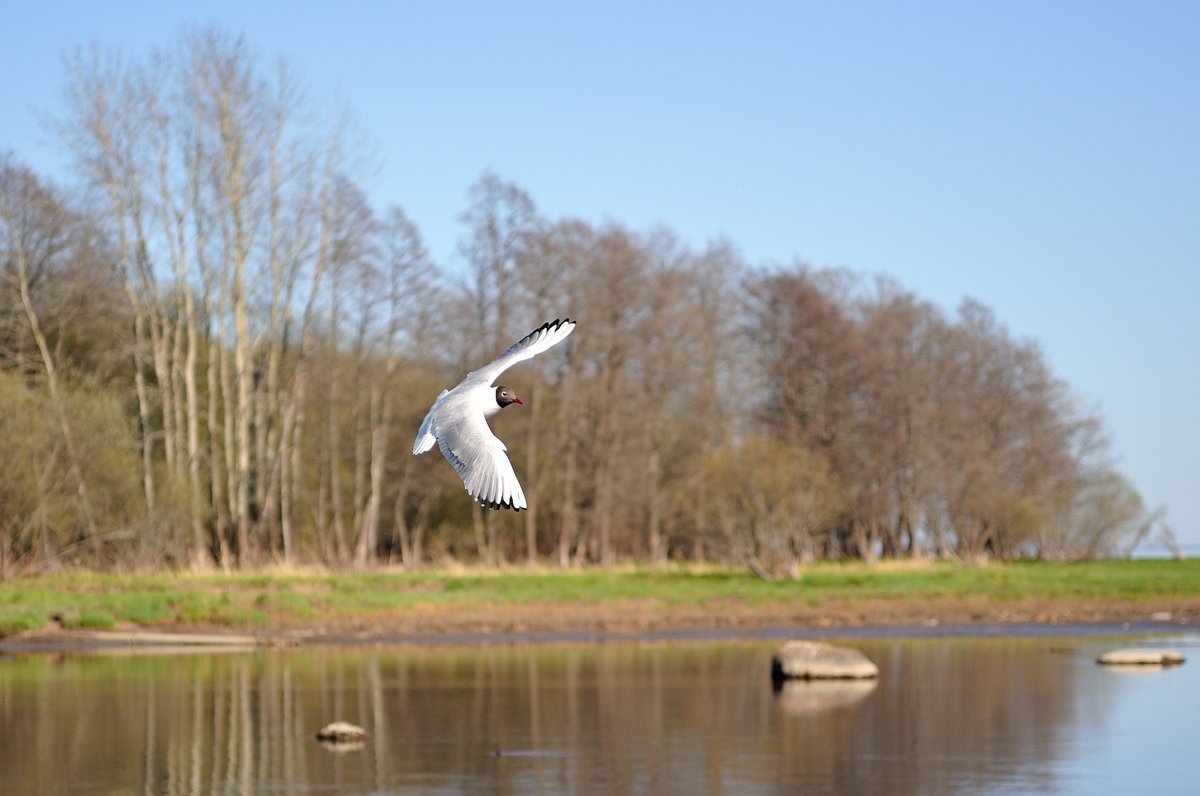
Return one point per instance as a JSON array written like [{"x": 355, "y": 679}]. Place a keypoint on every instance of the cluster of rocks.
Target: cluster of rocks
[{"x": 845, "y": 675}]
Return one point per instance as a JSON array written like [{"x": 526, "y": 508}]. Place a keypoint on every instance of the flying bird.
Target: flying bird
[{"x": 457, "y": 422}]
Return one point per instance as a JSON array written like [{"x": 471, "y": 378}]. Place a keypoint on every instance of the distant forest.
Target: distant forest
[{"x": 214, "y": 351}]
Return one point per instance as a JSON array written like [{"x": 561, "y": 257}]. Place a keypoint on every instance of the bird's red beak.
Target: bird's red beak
[{"x": 517, "y": 400}]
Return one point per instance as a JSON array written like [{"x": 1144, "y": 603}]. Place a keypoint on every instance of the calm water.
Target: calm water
[{"x": 946, "y": 716}]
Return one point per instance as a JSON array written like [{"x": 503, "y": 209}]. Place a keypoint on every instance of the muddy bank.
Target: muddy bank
[
  {"x": 634, "y": 621},
  {"x": 631, "y": 620}
]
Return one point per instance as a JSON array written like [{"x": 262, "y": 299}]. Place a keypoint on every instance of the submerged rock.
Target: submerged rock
[
  {"x": 1141, "y": 657},
  {"x": 812, "y": 660},
  {"x": 341, "y": 732}
]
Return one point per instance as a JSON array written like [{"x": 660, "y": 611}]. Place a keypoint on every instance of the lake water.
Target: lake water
[{"x": 947, "y": 716}]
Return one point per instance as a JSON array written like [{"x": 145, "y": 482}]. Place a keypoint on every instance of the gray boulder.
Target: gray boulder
[
  {"x": 813, "y": 660},
  {"x": 1141, "y": 657}
]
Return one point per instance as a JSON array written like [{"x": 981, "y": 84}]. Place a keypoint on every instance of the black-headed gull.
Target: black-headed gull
[{"x": 457, "y": 422}]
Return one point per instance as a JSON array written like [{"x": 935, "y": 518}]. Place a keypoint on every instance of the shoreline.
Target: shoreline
[
  {"x": 255, "y": 610},
  {"x": 140, "y": 640},
  {"x": 769, "y": 633}
]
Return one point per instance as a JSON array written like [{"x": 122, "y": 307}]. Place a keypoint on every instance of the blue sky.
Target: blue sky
[{"x": 1041, "y": 157}]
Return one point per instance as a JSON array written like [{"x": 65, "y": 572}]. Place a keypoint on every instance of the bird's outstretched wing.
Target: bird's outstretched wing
[
  {"x": 479, "y": 458},
  {"x": 529, "y": 346},
  {"x": 456, "y": 422}
]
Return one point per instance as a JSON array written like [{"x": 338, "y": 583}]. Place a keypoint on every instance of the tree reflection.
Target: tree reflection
[{"x": 655, "y": 718}]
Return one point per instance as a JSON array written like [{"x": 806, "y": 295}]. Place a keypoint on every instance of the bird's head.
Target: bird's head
[{"x": 505, "y": 396}]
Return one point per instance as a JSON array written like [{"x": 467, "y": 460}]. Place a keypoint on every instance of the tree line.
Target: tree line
[{"x": 216, "y": 351}]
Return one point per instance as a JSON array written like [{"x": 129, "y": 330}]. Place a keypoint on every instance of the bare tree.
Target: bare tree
[
  {"x": 109, "y": 136},
  {"x": 212, "y": 186},
  {"x": 900, "y": 385},
  {"x": 408, "y": 273},
  {"x": 500, "y": 222},
  {"x": 773, "y": 501},
  {"x": 272, "y": 320},
  {"x": 36, "y": 229},
  {"x": 808, "y": 351}
]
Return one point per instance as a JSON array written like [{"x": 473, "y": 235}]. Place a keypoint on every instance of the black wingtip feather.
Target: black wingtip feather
[
  {"x": 508, "y": 504},
  {"x": 554, "y": 325}
]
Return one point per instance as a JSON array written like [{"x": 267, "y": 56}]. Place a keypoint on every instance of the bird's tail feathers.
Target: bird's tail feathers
[
  {"x": 424, "y": 442},
  {"x": 425, "y": 437}
]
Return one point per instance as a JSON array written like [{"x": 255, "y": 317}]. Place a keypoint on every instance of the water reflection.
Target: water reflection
[
  {"x": 806, "y": 697},
  {"x": 946, "y": 716}
]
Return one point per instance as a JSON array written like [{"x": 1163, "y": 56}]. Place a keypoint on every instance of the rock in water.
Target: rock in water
[
  {"x": 811, "y": 660},
  {"x": 341, "y": 732},
  {"x": 1141, "y": 657}
]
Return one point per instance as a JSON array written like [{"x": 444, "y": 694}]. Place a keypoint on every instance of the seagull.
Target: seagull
[{"x": 457, "y": 422}]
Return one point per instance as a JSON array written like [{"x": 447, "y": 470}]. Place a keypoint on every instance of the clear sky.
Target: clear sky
[{"x": 1040, "y": 156}]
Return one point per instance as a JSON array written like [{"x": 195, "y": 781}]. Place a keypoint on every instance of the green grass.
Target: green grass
[{"x": 244, "y": 601}]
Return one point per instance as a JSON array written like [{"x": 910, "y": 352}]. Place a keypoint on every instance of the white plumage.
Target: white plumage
[{"x": 457, "y": 422}]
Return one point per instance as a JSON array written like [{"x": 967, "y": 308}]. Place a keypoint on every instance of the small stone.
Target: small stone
[
  {"x": 811, "y": 660},
  {"x": 1141, "y": 657},
  {"x": 1160, "y": 616},
  {"x": 340, "y": 732}
]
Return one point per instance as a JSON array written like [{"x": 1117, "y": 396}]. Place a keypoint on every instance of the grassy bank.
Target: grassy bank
[{"x": 520, "y": 599}]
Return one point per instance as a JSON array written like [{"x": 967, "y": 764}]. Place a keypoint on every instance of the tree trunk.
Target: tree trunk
[
  {"x": 143, "y": 399},
  {"x": 216, "y": 457},
  {"x": 363, "y": 459},
  {"x": 658, "y": 550},
  {"x": 57, "y": 400},
  {"x": 199, "y": 553},
  {"x": 333, "y": 457},
  {"x": 478, "y": 524},
  {"x": 184, "y": 358},
  {"x": 242, "y": 365},
  {"x": 228, "y": 424},
  {"x": 380, "y": 414},
  {"x": 569, "y": 522},
  {"x": 533, "y": 492}
]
